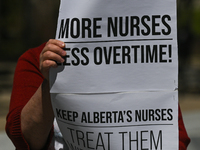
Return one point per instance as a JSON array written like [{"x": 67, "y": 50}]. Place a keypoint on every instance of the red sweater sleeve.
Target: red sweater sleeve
[
  {"x": 184, "y": 140},
  {"x": 27, "y": 79}
]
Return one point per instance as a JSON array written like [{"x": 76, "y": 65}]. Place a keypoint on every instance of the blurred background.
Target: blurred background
[{"x": 26, "y": 24}]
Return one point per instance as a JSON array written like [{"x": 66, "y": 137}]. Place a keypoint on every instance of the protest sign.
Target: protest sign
[
  {"x": 117, "y": 86},
  {"x": 135, "y": 40},
  {"x": 122, "y": 121}
]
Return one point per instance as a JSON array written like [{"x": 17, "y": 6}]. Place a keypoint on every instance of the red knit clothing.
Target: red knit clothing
[
  {"x": 27, "y": 79},
  {"x": 184, "y": 140}
]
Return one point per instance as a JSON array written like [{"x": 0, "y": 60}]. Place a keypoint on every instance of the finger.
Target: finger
[
  {"x": 56, "y": 42},
  {"x": 45, "y": 70},
  {"x": 49, "y": 55},
  {"x": 55, "y": 49},
  {"x": 47, "y": 64}
]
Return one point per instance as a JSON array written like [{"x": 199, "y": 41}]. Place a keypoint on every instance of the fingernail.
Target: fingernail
[
  {"x": 63, "y": 45},
  {"x": 63, "y": 53},
  {"x": 62, "y": 60}
]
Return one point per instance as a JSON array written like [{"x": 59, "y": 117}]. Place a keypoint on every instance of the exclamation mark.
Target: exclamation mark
[{"x": 170, "y": 53}]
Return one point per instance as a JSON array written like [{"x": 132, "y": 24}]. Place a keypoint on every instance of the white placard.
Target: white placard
[
  {"x": 120, "y": 121},
  {"x": 117, "y": 46},
  {"x": 116, "y": 89}
]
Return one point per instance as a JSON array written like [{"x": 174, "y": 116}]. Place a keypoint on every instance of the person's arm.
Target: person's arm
[
  {"x": 37, "y": 115},
  {"x": 30, "y": 108}
]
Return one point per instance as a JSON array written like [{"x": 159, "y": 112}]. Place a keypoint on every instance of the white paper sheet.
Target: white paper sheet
[
  {"x": 139, "y": 58},
  {"x": 117, "y": 89},
  {"x": 122, "y": 121}
]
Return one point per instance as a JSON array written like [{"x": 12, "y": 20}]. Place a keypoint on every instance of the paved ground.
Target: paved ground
[
  {"x": 192, "y": 124},
  {"x": 6, "y": 76},
  {"x": 190, "y": 105},
  {"x": 5, "y": 143}
]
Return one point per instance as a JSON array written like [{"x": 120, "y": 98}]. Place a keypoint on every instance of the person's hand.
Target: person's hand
[{"x": 52, "y": 53}]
